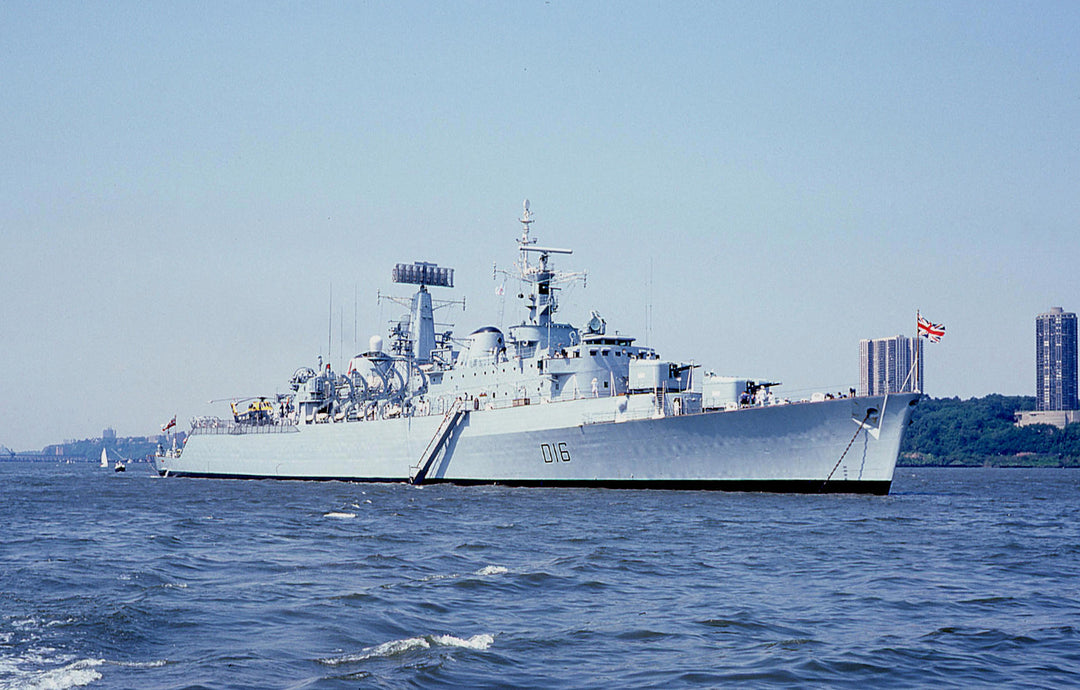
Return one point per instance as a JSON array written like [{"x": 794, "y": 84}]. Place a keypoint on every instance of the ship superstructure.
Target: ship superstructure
[{"x": 545, "y": 403}]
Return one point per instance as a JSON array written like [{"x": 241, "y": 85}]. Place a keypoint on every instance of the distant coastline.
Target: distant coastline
[
  {"x": 128, "y": 448},
  {"x": 1019, "y": 461}
]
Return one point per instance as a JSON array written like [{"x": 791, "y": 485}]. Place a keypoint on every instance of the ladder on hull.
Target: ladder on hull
[{"x": 450, "y": 421}]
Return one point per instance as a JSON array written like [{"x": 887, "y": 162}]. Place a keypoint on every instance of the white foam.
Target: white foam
[
  {"x": 434, "y": 578},
  {"x": 39, "y": 656},
  {"x": 492, "y": 570},
  {"x": 395, "y": 647},
  {"x": 382, "y": 650},
  {"x": 475, "y": 642},
  {"x": 66, "y": 621},
  {"x": 483, "y": 572},
  {"x": 74, "y": 675},
  {"x": 340, "y": 516},
  {"x": 157, "y": 663}
]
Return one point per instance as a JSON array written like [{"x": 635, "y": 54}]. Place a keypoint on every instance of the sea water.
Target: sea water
[{"x": 961, "y": 578}]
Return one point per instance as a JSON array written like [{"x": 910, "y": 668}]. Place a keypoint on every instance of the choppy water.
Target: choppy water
[{"x": 959, "y": 578}]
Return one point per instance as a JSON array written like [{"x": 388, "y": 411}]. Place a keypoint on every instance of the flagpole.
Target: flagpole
[
  {"x": 932, "y": 332},
  {"x": 915, "y": 358},
  {"x": 916, "y": 383}
]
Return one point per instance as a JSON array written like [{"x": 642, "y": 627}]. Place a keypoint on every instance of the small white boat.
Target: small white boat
[{"x": 118, "y": 467}]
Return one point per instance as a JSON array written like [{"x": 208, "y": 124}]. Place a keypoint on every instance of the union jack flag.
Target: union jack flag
[{"x": 927, "y": 329}]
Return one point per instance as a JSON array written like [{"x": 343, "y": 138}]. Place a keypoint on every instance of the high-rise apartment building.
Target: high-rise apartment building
[
  {"x": 885, "y": 365},
  {"x": 1055, "y": 360}
]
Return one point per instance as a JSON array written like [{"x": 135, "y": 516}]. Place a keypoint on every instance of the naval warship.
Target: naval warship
[{"x": 544, "y": 403}]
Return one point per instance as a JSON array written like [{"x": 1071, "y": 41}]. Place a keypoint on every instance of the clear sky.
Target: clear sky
[{"x": 182, "y": 185}]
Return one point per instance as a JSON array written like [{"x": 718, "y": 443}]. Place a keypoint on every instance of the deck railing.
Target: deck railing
[
  {"x": 216, "y": 426},
  {"x": 663, "y": 406}
]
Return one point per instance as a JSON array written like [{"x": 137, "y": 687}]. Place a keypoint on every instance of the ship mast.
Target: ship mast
[{"x": 541, "y": 301}]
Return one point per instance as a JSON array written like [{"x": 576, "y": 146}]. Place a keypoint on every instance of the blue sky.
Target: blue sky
[{"x": 182, "y": 183}]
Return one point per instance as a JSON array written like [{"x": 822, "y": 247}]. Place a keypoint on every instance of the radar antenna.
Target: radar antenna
[
  {"x": 415, "y": 334},
  {"x": 543, "y": 279}
]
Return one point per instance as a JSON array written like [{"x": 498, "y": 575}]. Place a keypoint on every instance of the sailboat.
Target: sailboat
[{"x": 119, "y": 467}]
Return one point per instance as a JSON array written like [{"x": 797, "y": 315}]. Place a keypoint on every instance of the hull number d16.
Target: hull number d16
[{"x": 554, "y": 452}]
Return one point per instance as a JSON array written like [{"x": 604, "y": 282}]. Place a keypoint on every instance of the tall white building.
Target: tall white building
[{"x": 885, "y": 365}]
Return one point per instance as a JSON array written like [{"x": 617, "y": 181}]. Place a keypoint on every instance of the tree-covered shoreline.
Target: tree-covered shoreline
[{"x": 981, "y": 432}]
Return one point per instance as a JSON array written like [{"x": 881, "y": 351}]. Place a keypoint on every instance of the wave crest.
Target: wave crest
[
  {"x": 395, "y": 647},
  {"x": 492, "y": 570},
  {"x": 76, "y": 674}
]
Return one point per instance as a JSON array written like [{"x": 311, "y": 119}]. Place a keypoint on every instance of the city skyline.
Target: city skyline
[{"x": 196, "y": 201}]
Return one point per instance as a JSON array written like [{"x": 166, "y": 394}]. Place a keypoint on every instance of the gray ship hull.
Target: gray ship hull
[{"x": 844, "y": 445}]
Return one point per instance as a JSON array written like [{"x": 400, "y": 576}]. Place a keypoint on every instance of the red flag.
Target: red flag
[{"x": 171, "y": 424}]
